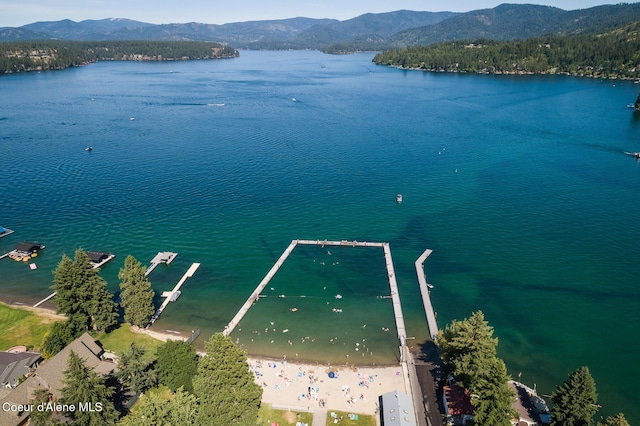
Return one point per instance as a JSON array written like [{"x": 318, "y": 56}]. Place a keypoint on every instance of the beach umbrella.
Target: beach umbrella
[{"x": 332, "y": 374}]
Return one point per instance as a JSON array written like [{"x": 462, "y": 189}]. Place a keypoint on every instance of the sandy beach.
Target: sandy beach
[
  {"x": 309, "y": 387},
  {"x": 304, "y": 386}
]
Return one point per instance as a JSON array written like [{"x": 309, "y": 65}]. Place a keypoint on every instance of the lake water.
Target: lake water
[{"x": 519, "y": 184}]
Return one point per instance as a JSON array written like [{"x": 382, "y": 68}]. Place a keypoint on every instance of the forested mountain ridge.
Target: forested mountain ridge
[
  {"x": 53, "y": 54},
  {"x": 370, "y": 31},
  {"x": 515, "y": 21},
  {"x": 612, "y": 54}
]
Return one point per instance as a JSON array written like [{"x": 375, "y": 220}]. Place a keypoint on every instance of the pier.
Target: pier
[
  {"x": 172, "y": 296},
  {"x": 162, "y": 257},
  {"x": 45, "y": 299},
  {"x": 406, "y": 359},
  {"x": 256, "y": 293},
  {"x": 424, "y": 290}
]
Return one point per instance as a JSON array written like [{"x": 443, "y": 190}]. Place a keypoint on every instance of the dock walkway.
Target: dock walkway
[
  {"x": 45, "y": 299},
  {"x": 256, "y": 293},
  {"x": 162, "y": 257},
  {"x": 172, "y": 296},
  {"x": 424, "y": 290}
]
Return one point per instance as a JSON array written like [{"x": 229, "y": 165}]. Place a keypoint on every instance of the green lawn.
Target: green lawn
[
  {"x": 22, "y": 327},
  {"x": 119, "y": 340},
  {"x": 363, "y": 419},
  {"x": 268, "y": 415}
]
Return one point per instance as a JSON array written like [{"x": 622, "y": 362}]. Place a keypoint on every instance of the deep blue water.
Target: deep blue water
[{"x": 519, "y": 184}]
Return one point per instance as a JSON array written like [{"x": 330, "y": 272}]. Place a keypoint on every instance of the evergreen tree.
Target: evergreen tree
[
  {"x": 136, "y": 294},
  {"x": 41, "y": 417},
  {"x": 494, "y": 398},
  {"x": 617, "y": 420},
  {"x": 177, "y": 364},
  {"x": 134, "y": 371},
  {"x": 574, "y": 402},
  {"x": 468, "y": 349},
  {"x": 181, "y": 409},
  {"x": 64, "y": 283},
  {"x": 81, "y": 386},
  {"x": 59, "y": 335},
  {"x": 225, "y": 386},
  {"x": 82, "y": 294}
]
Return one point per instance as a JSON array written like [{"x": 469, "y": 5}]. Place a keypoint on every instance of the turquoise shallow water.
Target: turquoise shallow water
[{"x": 518, "y": 184}]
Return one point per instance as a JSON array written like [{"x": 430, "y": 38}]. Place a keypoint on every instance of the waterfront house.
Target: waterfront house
[
  {"x": 457, "y": 403},
  {"x": 16, "y": 364},
  {"x": 49, "y": 375}
]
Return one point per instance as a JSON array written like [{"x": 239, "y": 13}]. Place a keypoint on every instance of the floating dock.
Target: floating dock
[
  {"x": 5, "y": 231},
  {"x": 162, "y": 257},
  {"x": 424, "y": 290},
  {"x": 172, "y": 296}
]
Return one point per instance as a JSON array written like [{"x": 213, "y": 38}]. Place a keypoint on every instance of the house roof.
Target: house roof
[
  {"x": 28, "y": 247},
  {"x": 458, "y": 400},
  {"x": 97, "y": 256},
  {"x": 50, "y": 375},
  {"x": 13, "y": 366},
  {"x": 397, "y": 409},
  {"x": 52, "y": 372}
]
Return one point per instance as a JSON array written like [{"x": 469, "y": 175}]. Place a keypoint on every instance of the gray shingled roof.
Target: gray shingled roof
[
  {"x": 13, "y": 366},
  {"x": 50, "y": 374}
]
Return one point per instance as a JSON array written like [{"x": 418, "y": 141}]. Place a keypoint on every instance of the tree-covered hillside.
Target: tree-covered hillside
[
  {"x": 615, "y": 54},
  {"x": 52, "y": 55}
]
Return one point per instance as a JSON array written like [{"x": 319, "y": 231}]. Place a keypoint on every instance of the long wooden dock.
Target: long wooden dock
[
  {"x": 343, "y": 243},
  {"x": 395, "y": 297},
  {"x": 172, "y": 296},
  {"x": 424, "y": 290},
  {"x": 256, "y": 293},
  {"x": 162, "y": 257}
]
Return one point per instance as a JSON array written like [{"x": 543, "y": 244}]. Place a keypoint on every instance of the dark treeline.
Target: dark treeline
[
  {"x": 53, "y": 55},
  {"x": 615, "y": 54}
]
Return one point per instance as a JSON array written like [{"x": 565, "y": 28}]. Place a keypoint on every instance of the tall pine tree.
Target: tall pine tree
[
  {"x": 81, "y": 386},
  {"x": 136, "y": 294},
  {"x": 82, "y": 294},
  {"x": 225, "y": 386},
  {"x": 134, "y": 370},
  {"x": 468, "y": 349},
  {"x": 575, "y": 401}
]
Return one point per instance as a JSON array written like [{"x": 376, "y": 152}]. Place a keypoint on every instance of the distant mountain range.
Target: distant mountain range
[{"x": 366, "y": 32}]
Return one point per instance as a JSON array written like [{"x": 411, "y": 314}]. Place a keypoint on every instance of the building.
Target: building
[
  {"x": 457, "y": 403},
  {"x": 532, "y": 410},
  {"x": 49, "y": 376},
  {"x": 16, "y": 364},
  {"x": 396, "y": 409}
]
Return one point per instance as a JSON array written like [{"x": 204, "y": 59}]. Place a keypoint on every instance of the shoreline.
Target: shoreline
[{"x": 43, "y": 312}]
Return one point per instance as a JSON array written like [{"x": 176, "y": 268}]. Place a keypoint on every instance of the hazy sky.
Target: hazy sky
[{"x": 14, "y": 13}]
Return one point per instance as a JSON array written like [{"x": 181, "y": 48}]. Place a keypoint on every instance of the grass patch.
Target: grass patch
[
  {"x": 120, "y": 339},
  {"x": 268, "y": 415},
  {"x": 22, "y": 327},
  {"x": 363, "y": 419}
]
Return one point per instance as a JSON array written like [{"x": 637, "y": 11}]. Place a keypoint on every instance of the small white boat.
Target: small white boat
[
  {"x": 88, "y": 148},
  {"x": 338, "y": 296},
  {"x": 399, "y": 198}
]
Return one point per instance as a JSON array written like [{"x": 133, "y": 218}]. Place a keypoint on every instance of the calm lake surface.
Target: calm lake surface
[{"x": 519, "y": 184}]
